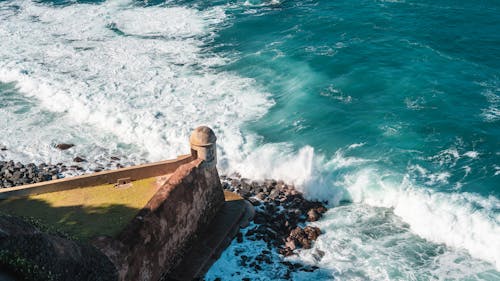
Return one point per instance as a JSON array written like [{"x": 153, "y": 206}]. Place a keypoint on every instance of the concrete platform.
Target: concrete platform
[{"x": 235, "y": 213}]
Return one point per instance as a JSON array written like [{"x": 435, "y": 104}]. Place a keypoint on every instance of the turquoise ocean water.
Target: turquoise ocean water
[{"x": 388, "y": 110}]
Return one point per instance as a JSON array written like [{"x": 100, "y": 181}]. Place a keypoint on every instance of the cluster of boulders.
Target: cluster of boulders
[
  {"x": 280, "y": 209},
  {"x": 280, "y": 215},
  {"x": 15, "y": 173}
]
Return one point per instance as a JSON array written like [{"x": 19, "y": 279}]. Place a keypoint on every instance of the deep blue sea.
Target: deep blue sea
[{"x": 388, "y": 110}]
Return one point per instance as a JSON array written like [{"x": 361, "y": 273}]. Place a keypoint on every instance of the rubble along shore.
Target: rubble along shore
[{"x": 281, "y": 217}]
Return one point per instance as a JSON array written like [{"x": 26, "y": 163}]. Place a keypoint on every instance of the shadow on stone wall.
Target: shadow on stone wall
[
  {"x": 77, "y": 222},
  {"x": 52, "y": 243}
]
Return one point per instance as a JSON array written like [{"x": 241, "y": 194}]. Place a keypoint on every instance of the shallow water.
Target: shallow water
[{"x": 392, "y": 106}]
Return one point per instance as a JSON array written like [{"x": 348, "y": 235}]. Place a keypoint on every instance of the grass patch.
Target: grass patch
[{"x": 86, "y": 212}]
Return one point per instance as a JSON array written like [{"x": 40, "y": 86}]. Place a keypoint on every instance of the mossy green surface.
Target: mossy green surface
[
  {"x": 24, "y": 267},
  {"x": 83, "y": 213}
]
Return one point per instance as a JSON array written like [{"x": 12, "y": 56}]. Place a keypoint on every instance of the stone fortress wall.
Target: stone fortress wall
[{"x": 154, "y": 242}]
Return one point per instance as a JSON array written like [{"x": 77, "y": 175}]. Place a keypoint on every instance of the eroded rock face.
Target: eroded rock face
[{"x": 35, "y": 255}]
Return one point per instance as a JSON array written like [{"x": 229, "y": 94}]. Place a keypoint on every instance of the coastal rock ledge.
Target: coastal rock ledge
[{"x": 281, "y": 215}]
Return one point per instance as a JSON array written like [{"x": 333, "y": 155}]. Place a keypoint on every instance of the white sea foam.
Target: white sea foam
[
  {"x": 360, "y": 242},
  {"x": 430, "y": 179},
  {"x": 112, "y": 78},
  {"x": 460, "y": 220},
  {"x": 492, "y": 112},
  {"x": 260, "y": 3},
  {"x": 140, "y": 75},
  {"x": 471, "y": 154}
]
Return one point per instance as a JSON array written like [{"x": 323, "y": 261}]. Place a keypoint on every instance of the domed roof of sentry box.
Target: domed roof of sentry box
[{"x": 202, "y": 136}]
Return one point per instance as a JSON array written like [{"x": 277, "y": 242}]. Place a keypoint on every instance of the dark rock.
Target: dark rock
[
  {"x": 64, "y": 146},
  {"x": 270, "y": 183},
  {"x": 274, "y": 194},
  {"x": 246, "y": 188},
  {"x": 16, "y": 175},
  {"x": 280, "y": 209},
  {"x": 79, "y": 159},
  {"x": 235, "y": 183},
  {"x": 290, "y": 244},
  {"x": 286, "y": 252},
  {"x": 312, "y": 232},
  {"x": 318, "y": 255},
  {"x": 261, "y": 196},
  {"x": 312, "y": 215},
  {"x": 321, "y": 209},
  {"x": 19, "y": 174},
  {"x": 256, "y": 187},
  {"x": 254, "y": 201},
  {"x": 300, "y": 236}
]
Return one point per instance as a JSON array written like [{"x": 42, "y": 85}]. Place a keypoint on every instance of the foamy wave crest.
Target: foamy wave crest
[
  {"x": 460, "y": 220},
  {"x": 138, "y": 75},
  {"x": 277, "y": 161},
  {"x": 358, "y": 238},
  {"x": 135, "y": 81}
]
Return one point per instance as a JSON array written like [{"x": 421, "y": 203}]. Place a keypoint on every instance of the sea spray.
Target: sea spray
[{"x": 388, "y": 110}]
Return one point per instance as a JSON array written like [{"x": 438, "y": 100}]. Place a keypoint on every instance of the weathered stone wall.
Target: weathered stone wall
[{"x": 153, "y": 242}]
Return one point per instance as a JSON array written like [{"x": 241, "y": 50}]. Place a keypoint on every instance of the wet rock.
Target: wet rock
[
  {"x": 290, "y": 244},
  {"x": 15, "y": 174},
  {"x": 312, "y": 232},
  {"x": 280, "y": 213},
  {"x": 274, "y": 194},
  {"x": 64, "y": 146},
  {"x": 312, "y": 215},
  {"x": 254, "y": 201},
  {"x": 261, "y": 196},
  {"x": 318, "y": 255},
  {"x": 286, "y": 252},
  {"x": 79, "y": 159}
]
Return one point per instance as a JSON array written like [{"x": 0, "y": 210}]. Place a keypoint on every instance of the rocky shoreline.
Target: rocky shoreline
[
  {"x": 281, "y": 212},
  {"x": 17, "y": 173}
]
